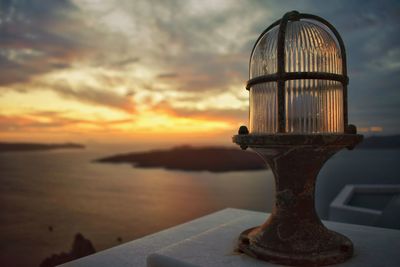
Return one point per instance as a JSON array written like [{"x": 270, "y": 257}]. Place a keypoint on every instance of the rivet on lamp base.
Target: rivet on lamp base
[{"x": 293, "y": 234}]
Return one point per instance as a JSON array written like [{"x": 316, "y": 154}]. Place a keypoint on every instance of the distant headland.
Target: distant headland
[
  {"x": 219, "y": 159},
  {"x": 187, "y": 158},
  {"x": 9, "y": 147}
]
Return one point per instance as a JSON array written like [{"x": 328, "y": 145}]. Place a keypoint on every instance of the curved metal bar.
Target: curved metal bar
[
  {"x": 344, "y": 60},
  {"x": 337, "y": 35},
  {"x": 297, "y": 76},
  {"x": 276, "y": 23},
  {"x": 281, "y": 68},
  {"x": 294, "y": 15}
]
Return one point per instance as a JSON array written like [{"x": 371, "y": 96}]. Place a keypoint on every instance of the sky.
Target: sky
[{"x": 170, "y": 70}]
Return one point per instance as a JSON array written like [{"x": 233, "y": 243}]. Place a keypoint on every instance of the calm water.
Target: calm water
[
  {"x": 105, "y": 201},
  {"x": 66, "y": 190}
]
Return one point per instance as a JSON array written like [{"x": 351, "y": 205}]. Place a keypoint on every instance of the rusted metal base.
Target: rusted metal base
[
  {"x": 340, "y": 250},
  {"x": 293, "y": 234}
]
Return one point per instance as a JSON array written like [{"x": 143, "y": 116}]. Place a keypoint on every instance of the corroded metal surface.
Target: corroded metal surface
[
  {"x": 293, "y": 234},
  {"x": 279, "y": 140}
]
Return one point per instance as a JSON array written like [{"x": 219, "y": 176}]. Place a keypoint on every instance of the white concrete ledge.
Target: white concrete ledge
[
  {"x": 210, "y": 241},
  {"x": 341, "y": 210},
  {"x": 134, "y": 253}
]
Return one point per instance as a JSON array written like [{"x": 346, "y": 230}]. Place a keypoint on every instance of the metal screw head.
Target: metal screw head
[
  {"x": 351, "y": 129},
  {"x": 243, "y": 130}
]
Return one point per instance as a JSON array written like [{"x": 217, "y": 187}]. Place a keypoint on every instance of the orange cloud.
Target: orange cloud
[{"x": 146, "y": 125}]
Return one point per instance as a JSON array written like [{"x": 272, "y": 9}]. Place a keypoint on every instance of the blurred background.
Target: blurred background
[{"x": 127, "y": 76}]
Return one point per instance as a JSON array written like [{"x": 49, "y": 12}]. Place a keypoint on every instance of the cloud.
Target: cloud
[
  {"x": 55, "y": 121},
  {"x": 224, "y": 114},
  {"x": 170, "y": 75},
  {"x": 93, "y": 96},
  {"x": 143, "y": 48},
  {"x": 39, "y": 36},
  {"x": 15, "y": 123},
  {"x": 125, "y": 62}
]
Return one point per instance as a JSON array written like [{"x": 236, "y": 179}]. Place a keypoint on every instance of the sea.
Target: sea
[{"x": 46, "y": 197}]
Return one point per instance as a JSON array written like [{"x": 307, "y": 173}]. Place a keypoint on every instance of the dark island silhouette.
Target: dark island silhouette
[
  {"x": 219, "y": 159},
  {"x": 81, "y": 247},
  {"x": 188, "y": 158},
  {"x": 9, "y": 147}
]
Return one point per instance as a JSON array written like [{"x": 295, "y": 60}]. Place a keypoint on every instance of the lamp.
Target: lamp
[{"x": 298, "y": 120}]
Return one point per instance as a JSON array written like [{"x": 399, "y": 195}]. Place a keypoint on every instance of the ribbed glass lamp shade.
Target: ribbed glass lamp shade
[{"x": 311, "y": 105}]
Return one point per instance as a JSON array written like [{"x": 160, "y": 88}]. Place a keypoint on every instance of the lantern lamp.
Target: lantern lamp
[{"x": 297, "y": 121}]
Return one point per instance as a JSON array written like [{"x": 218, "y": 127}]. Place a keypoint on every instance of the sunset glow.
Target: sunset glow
[{"x": 92, "y": 70}]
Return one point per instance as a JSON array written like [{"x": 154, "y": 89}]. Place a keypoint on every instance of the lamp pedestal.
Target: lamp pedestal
[{"x": 293, "y": 234}]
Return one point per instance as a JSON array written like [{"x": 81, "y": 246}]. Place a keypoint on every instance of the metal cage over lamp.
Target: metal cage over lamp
[
  {"x": 298, "y": 120},
  {"x": 298, "y": 71}
]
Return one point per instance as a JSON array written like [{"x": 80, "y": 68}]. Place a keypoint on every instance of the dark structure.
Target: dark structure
[
  {"x": 298, "y": 120},
  {"x": 187, "y": 158},
  {"x": 81, "y": 247}
]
